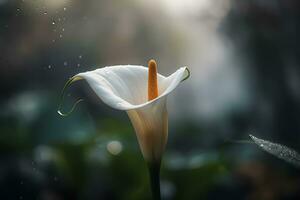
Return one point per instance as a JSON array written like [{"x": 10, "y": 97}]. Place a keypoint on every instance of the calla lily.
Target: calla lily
[{"x": 142, "y": 93}]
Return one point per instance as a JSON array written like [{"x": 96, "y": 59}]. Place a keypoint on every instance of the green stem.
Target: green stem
[{"x": 154, "y": 171}]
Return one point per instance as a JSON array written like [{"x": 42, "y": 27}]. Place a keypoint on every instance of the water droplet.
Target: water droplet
[
  {"x": 53, "y": 40},
  {"x": 45, "y": 12},
  {"x": 65, "y": 8},
  {"x": 60, "y": 35},
  {"x": 65, "y": 63},
  {"x": 63, "y": 29},
  {"x": 53, "y": 22},
  {"x": 261, "y": 145},
  {"x": 59, "y": 19},
  {"x": 18, "y": 9},
  {"x": 49, "y": 66},
  {"x": 78, "y": 65},
  {"x": 80, "y": 56}
]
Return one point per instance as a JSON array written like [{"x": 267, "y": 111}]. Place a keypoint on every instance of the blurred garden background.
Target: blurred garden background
[{"x": 244, "y": 58}]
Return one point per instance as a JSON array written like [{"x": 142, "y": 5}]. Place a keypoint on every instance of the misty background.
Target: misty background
[{"x": 244, "y": 58}]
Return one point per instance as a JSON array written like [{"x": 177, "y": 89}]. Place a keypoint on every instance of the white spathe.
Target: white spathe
[{"x": 124, "y": 87}]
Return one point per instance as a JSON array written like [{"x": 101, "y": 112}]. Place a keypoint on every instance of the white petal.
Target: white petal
[
  {"x": 124, "y": 87},
  {"x": 151, "y": 126}
]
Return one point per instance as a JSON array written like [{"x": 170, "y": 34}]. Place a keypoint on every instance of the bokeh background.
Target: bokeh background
[{"x": 244, "y": 58}]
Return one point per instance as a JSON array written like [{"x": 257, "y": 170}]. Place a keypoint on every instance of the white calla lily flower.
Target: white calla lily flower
[
  {"x": 142, "y": 93},
  {"x": 124, "y": 87}
]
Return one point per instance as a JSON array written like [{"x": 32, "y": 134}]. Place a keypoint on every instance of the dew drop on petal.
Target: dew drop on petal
[
  {"x": 45, "y": 12},
  {"x": 49, "y": 66},
  {"x": 80, "y": 56},
  {"x": 53, "y": 22},
  {"x": 60, "y": 35},
  {"x": 65, "y": 8},
  {"x": 65, "y": 63}
]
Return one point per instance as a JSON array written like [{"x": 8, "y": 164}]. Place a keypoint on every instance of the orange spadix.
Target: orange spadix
[{"x": 152, "y": 80}]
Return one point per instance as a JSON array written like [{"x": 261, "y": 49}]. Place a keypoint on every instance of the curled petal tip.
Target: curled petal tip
[
  {"x": 187, "y": 75},
  {"x": 69, "y": 112},
  {"x": 62, "y": 97}
]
